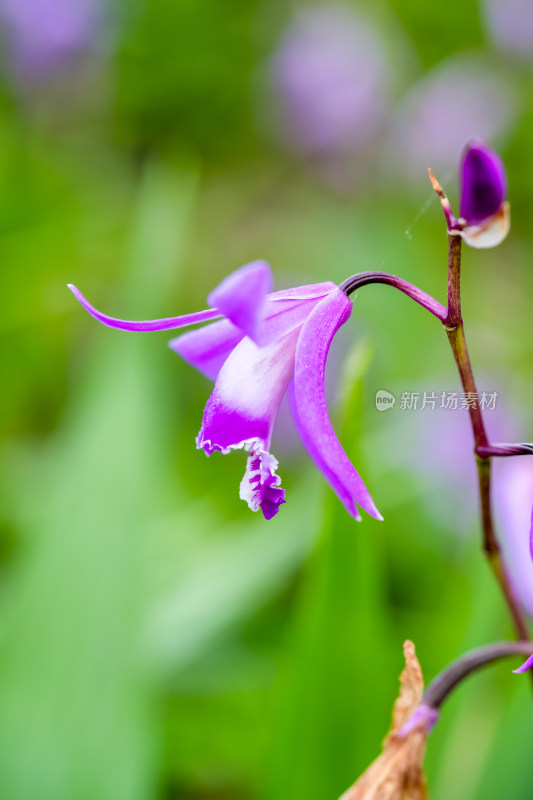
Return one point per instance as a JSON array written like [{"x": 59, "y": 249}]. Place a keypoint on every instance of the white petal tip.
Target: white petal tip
[{"x": 490, "y": 233}]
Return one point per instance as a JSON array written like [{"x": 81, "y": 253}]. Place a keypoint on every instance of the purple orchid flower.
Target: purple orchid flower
[
  {"x": 266, "y": 342},
  {"x": 483, "y": 206}
]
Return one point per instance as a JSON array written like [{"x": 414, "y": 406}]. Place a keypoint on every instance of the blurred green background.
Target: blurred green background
[{"x": 157, "y": 639}]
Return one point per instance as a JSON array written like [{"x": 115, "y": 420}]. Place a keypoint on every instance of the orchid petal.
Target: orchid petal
[
  {"x": 311, "y": 291},
  {"x": 483, "y": 183},
  {"x": 289, "y": 309},
  {"x": 241, "y": 413},
  {"x": 243, "y": 405},
  {"x": 207, "y": 348},
  {"x": 528, "y": 663},
  {"x": 489, "y": 233},
  {"x": 260, "y": 486},
  {"x": 147, "y": 325},
  {"x": 309, "y": 403},
  {"x": 240, "y": 297}
]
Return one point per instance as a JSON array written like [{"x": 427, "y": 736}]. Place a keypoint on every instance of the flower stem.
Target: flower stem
[
  {"x": 456, "y": 336},
  {"x": 446, "y": 681},
  {"x": 425, "y": 300},
  {"x": 451, "y": 317},
  {"x": 452, "y": 320},
  {"x": 503, "y": 450}
]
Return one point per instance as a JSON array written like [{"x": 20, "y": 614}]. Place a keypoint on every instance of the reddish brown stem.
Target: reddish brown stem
[
  {"x": 446, "y": 681},
  {"x": 456, "y": 335}
]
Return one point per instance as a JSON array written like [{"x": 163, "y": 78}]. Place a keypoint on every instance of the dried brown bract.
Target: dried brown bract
[{"x": 397, "y": 774}]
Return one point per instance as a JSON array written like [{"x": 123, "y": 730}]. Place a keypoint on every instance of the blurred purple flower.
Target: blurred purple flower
[
  {"x": 462, "y": 98},
  {"x": 434, "y": 445},
  {"x": 513, "y": 497},
  {"x": 483, "y": 188},
  {"x": 265, "y": 341},
  {"x": 510, "y": 24},
  {"x": 43, "y": 36},
  {"x": 330, "y": 76}
]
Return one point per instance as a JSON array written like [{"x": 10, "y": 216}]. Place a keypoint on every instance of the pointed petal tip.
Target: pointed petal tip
[
  {"x": 309, "y": 406},
  {"x": 164, "y": 324},
  {"x": 370, "y": 509},
  {"x": 367, "y": 504},
  {"x": 528, "y": 663},
  {"x": 350, "y": 506},
  {"x": 241, "y": 295},
  {"x": 76, "y": 292}
]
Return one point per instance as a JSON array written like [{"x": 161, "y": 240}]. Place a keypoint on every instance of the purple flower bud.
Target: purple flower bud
[
  {"x": 485, "y": 213},
  {"x": 483, "y": 183}
]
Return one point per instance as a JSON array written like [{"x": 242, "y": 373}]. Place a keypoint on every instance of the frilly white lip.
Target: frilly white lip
[
  {"x": 491, "y": 232},
  {"x": 261, "y": 485}
]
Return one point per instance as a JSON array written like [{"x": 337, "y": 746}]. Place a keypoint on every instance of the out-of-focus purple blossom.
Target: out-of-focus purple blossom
[
  {"x": 483, "y": 188},
  {"x": 434, "y": 446},
  {"x": 44, "y": 36},
  {"x": 510, "y": 25},
  {"x": 513, "y": 495},
  {"x": 330, "y": 78},
  {"x": 264, "y": 343},
  {"x": 463, "y": 98},
  {"x": 433, "y": 443}
]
